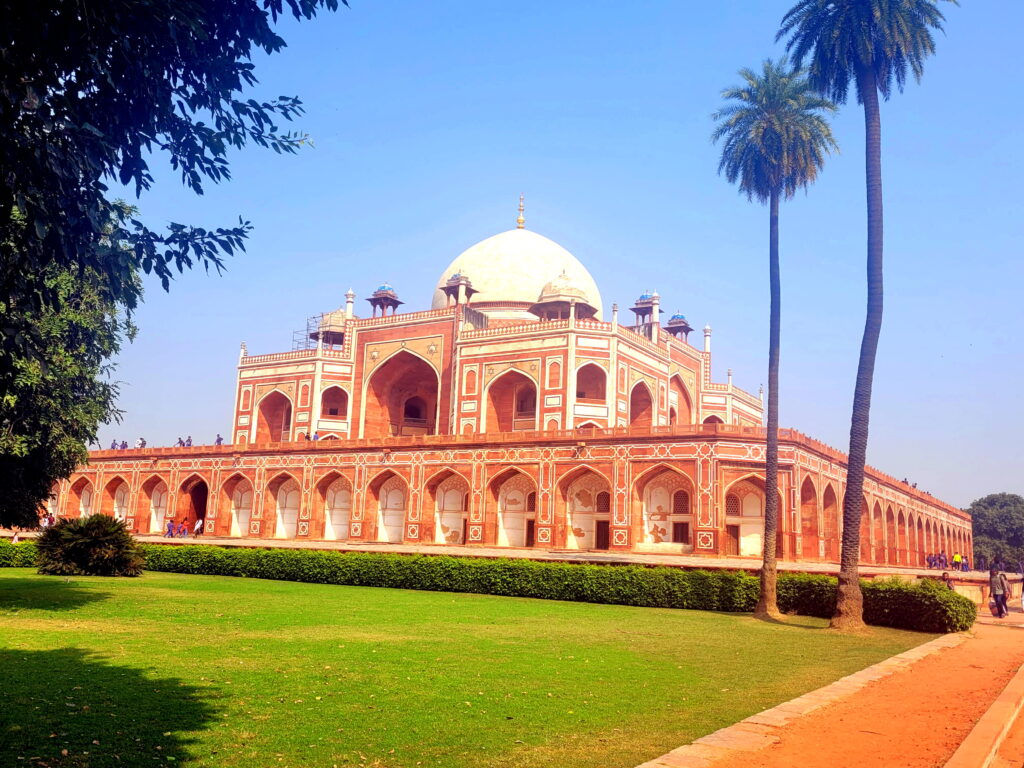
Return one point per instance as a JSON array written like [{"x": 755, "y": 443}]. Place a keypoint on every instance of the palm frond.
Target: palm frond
[{"x": 774, "y": 131}]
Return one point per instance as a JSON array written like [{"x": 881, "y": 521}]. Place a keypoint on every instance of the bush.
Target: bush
[
  {"x": 926, "y": 606},
  {"x": 21, "y": 555},
  {"x": 97, "y": 545}
]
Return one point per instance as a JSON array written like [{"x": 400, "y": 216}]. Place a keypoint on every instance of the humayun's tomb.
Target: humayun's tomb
[{"x": 513, "y": 413}]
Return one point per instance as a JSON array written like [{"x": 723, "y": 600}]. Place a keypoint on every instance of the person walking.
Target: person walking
[
  {"x": 999, "y": 588},
  {"x": 957, "y": 561},
  {"x": 113, "y": 444},
  {"x": 180, "y": 443},
  {"x": 170, "y": 530},
  {"x": 219, "y": 440},
  {"x": 197, "y": 530},
  {"x": 188, "y": 441},
  {"x": 182, "y": 530}
]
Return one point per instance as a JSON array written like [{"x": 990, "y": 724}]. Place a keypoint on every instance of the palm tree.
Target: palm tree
[
  {"x": 775, "y": 137},
  {"x": 874, "y": 44}
]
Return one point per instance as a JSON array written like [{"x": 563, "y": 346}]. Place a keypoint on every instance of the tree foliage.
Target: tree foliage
[
  {"x": 999, "y": 517},
  {"x": 55, "y": 399},
  {"x": 873, "y": 43},
  {"x": 90, "y": 95},
  {"x": 774, "y": 132},
  {"x": 97, "y": 545},
  {"x": 774, "y": 136}
]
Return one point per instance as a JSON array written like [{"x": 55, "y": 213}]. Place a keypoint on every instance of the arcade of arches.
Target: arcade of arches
[{"x": 575, "y": 496}]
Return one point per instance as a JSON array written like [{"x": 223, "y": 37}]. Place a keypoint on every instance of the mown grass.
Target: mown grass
[{"x": 171, "y": 669}]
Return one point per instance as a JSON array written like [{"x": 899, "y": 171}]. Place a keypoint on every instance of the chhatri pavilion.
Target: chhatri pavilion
[{"x": 516, "y": 412}]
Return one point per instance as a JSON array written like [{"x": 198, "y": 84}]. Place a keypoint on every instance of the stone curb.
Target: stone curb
[
  {"x": 982, "y": 744},
  {"x": 761, "y": 730}
]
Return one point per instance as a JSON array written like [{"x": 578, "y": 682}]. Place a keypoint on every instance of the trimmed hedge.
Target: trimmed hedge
[
  {"x": 925, "y": 606},
  {"x": 22, "y": 555}
]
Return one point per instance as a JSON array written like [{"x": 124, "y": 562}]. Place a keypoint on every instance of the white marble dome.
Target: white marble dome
[{"x": 516, "y": 266}]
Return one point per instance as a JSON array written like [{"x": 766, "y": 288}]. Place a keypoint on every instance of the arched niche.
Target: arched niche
[
  {"x": 274, "y": 418},
  {"x": 401, "y": 398}
]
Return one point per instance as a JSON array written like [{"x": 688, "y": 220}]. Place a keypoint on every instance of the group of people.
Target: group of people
[
  {"x": 123, "y": 445},
  {"x": 180, "y": 530},
  {"x": 140, "y": 442},
  {"x": 939, "y": 560}
]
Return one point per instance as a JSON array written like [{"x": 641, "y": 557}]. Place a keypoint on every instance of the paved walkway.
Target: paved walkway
[{"x": 911, "y": 711}]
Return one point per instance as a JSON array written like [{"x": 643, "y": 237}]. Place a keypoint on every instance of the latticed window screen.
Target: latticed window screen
[
  {"x": 604, "y": 502},
  {"x": 732, "y": 505},
  {"x": 531, "y": 502},
  {"x": 680, "y": 503}
]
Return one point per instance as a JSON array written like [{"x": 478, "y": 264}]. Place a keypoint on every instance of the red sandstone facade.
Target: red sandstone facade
[{"x": 506, "y": 416}]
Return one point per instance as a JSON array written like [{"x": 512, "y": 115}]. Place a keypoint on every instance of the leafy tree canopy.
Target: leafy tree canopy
[
  {"x": 90, "y": 93},
  {"x": 1000, "y": 517},
  {"x": 54, "y": 400}
]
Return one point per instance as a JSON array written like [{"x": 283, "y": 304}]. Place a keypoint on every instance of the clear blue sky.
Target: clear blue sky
[{"x": 430, "y": 119}]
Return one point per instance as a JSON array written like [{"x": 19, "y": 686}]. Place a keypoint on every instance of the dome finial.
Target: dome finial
[{"x": 521, "y": 220}]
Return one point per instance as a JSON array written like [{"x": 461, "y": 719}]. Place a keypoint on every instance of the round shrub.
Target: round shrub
[{"x": 97, "y": 545}]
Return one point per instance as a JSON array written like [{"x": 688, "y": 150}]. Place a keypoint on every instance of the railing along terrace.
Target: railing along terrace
[
  {"x": 511, "y": 330},
  {"x": 405, "y": 317},
  {"x": 391, "y": 443},
  {"x": 295, "y": 354}
]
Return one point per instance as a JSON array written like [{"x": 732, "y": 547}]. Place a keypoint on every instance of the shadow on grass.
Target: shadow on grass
[
  {"x": 68, "y": 708},
  {"x": 54, "y": 593}
]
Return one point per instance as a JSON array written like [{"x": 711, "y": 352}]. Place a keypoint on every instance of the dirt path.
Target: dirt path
[{"x": 912, "y": 719}]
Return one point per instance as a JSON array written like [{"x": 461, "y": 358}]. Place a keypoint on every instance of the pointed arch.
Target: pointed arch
[
  {"x": 583, "y": 508},
  {"x": 809, "y": 531},
  {"x": 274, "y": 418},
  {"x": 192, "y": 495},
  {"x": 902, "y": 554},
  {"x": 334, "y": 403},
  {"x": 641, "y": 405},
  {"x": 511, "y": 401},
  {"x": 282, "y": 506},
  {"x": 744, "y": 507},
  {"x": 591, "y": 383},
  {"x": 81, "y": 498},
  {"x": 390, "y": 493},
  {"x": 712, "y": 419},
  {"x": 448, "y": 491},
  {"x": 401, "y": 397},
  {"x": 680, "y": 402},
  {"x": 115, "y": 499},
  {"x": 830, "y": 514},
  {"x": 663, "y": 497},
  {"x": 236, "y": 504},
  {"x": 513, "y": 512},
  {"x": 333, "y": 501},
  {"x": 152, "y": 505}
]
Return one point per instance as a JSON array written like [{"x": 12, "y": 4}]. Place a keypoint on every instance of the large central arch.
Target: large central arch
[
  {"x": 401, "y": 398},
  {"x": 274, "y": 418},
  {"x": 641, "y": 406},
  {"x": 511, "y": 403}
]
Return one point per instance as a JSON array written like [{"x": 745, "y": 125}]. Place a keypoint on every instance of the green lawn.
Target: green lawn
[{"x": 182, "y": 670}]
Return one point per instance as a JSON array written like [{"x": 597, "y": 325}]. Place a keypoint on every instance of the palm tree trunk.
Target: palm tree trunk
[
  {"x": 849, "y": 612},
  {"x": 767, "y": 603}
]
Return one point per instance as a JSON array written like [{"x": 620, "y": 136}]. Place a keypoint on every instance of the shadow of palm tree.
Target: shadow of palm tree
[
  {"x": 69, "y": 708},
  {"x": 54, "y": 593}
]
